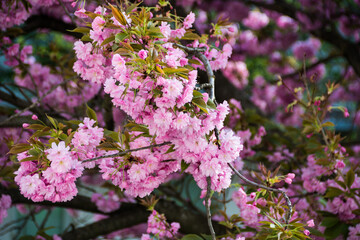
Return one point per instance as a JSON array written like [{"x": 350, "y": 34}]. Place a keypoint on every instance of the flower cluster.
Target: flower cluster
[
  {"x": 50, "y": 173},
  {"x": 158, "y": 226},
  {"x": 106, "y": 205},
  {"x": 155, "y": 87}
]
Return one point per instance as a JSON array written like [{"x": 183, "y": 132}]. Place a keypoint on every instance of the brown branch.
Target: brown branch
[
  {"x": 43, "y": 21},
  {"x": 127, "y": 151},
  {"x": 288, "y": 202},
  {"x": 129, "y": 214}
]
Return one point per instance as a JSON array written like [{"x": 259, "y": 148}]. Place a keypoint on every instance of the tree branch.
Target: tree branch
[
  {"x": 288, "y": 202},
  {"x": 129, "y": 214},
  {"x": 127, "y": 151}
]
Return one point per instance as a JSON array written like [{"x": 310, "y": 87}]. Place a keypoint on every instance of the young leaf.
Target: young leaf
[
  {"x": 118, "y": 15},
  {"x": 333, "y": 192},
  {"x": 53, "y": 121},
  {"x": 200, "y": 103},
  {"x": 350, "y": 178},
  {"x": 19, "y": 148},
  {"x": 184, "y": 166},
  {"x": 91, "y": 113}
]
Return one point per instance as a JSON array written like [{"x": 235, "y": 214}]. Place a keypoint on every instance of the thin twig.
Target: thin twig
[
  {"x": 211, "y": 85},
  {"x": 207, "y": 205},
  {"x": 34, "y": 103},
  {"x": 126, "y": 152},
  {"x": 288, "y": 202}
]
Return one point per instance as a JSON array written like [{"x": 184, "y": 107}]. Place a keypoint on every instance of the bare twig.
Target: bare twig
[
  {"x": 288, "y": 202},
  {"x": 34, "y": 103},
  {"x": 211, "y": 77},
  {"x": 126, "y": 152},
  {"x": 198, "y": 52},
  {"x": 207, "y": 205}
]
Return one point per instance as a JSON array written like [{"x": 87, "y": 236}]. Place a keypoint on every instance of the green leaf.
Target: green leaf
[
  {"x": 184, "y": 166},
  {"x": 336, "y": 230},
  {"x": 109, "y": 146},
  {"x": 132, "y": 7},
  {"x": 118, "y": 15},
  {"x": 33, "y": 158},
  {"x": 36, "y": 127},
  {"x": 53, "y": 121},
  {"x": 175, "y": 70},
  {"x": 192, "y": 237},
  {"x": 341, "y": 183},
  {"x": 112, "y": 134},
  {"x": 154, "y": 32},
  {"x": 91, "y": 113},
  {"x": 201, "y": 104},
  {"x": 315, "y": 232},
  {"x": 194, "y": 61},
  {"x": 34, "y": 152},
  {"x": 86, "y": 38},
  {"x": 171, "y": 149},
  {"x": 211, "y": 104},
  {"x": 81, "y": 30},
  {"x": 329, "y": 221},
  {"x": 197, "y": 94},
  {"x": 328, "y": 124},
  {"x": 120, "y": 37},
  {"x": 350, "y": 178},
  {"x": 108, "y": 40},
  {"x": 333, "y": 192},
  {"x": 162, "y": 19},
  {"x": 19, "y": 148},
  {"x": 190, "y": 36},
  {"x": 69, "y": 138}
]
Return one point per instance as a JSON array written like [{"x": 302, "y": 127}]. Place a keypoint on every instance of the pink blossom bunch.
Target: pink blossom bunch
[
  {"x": 158, "y": 226},
  {"x": 55, "y": 183},
  {"x": 41, "y": 79},
  {"x": 53, "y": 178},
  {"x": 237, "y": 73},
  {"x": 256, "y": 20},
  {"x": 306, "y": 49},
  {"x": 250, "y": 140},
  {"x": 5, "y": 204},
  {"x": 309, "y": 176},
  {"x": 109, "y": 204},
  {"x": 151, "y": 101},
  {"x": 86, "y": 138},
  {"x": 354, "y": 232},
  {"x": 249, "y": 212}
]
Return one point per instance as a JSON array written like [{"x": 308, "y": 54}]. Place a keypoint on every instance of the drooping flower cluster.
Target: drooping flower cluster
[
  {"x": 56, "y": 183},
  {"x": 50, "y": 173},
  {"x": 49, "y": 85},
  {"x": 109, "y": 204},
  {"x": 158, "y": 226},
  {"x": 249, "y": 212},
  {"x": 86, "y": 139},
  {"x": 146, "y": 86}
]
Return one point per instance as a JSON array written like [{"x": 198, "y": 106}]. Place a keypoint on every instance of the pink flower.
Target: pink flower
[
  {"x": 339, "y": 164},
  {"x": 306, "y": 232},
  {"x": 346, "y": 113},
  {"x": 189, "y": 20},
  {"x": 289, "y": 178},
  {"x": 34, "y": 117},
  {"x": 142, "y": 54},
  {"x": 25, "y": 125},
  {"x": 310, "y": 223}
]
